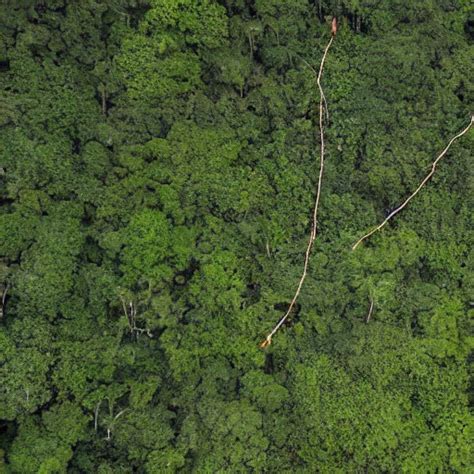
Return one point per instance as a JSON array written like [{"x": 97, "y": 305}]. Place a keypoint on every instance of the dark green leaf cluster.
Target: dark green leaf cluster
[{"x": 158, "y": 166}]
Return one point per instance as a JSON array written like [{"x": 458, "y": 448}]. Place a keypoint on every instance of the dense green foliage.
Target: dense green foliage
[{"x": 158, "y": 163}]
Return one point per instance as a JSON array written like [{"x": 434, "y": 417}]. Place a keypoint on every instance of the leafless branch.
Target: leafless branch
[
  {"x": 110, "y": 427},
  {"x": 120, "y": 413},
  {"x": 4, "y": 298},
  {"x": 370, "y": 310},
  {"x": 96, "y": 415},
  {"x": 130, "y": 312}
]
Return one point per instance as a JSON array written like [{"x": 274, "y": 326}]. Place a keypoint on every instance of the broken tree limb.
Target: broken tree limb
[
  {"x": 427, "y": 177},
  {"x": 268, "y": 340}
]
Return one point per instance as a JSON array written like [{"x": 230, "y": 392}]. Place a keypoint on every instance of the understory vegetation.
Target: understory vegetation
[{"x": 158, "y": 167}]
